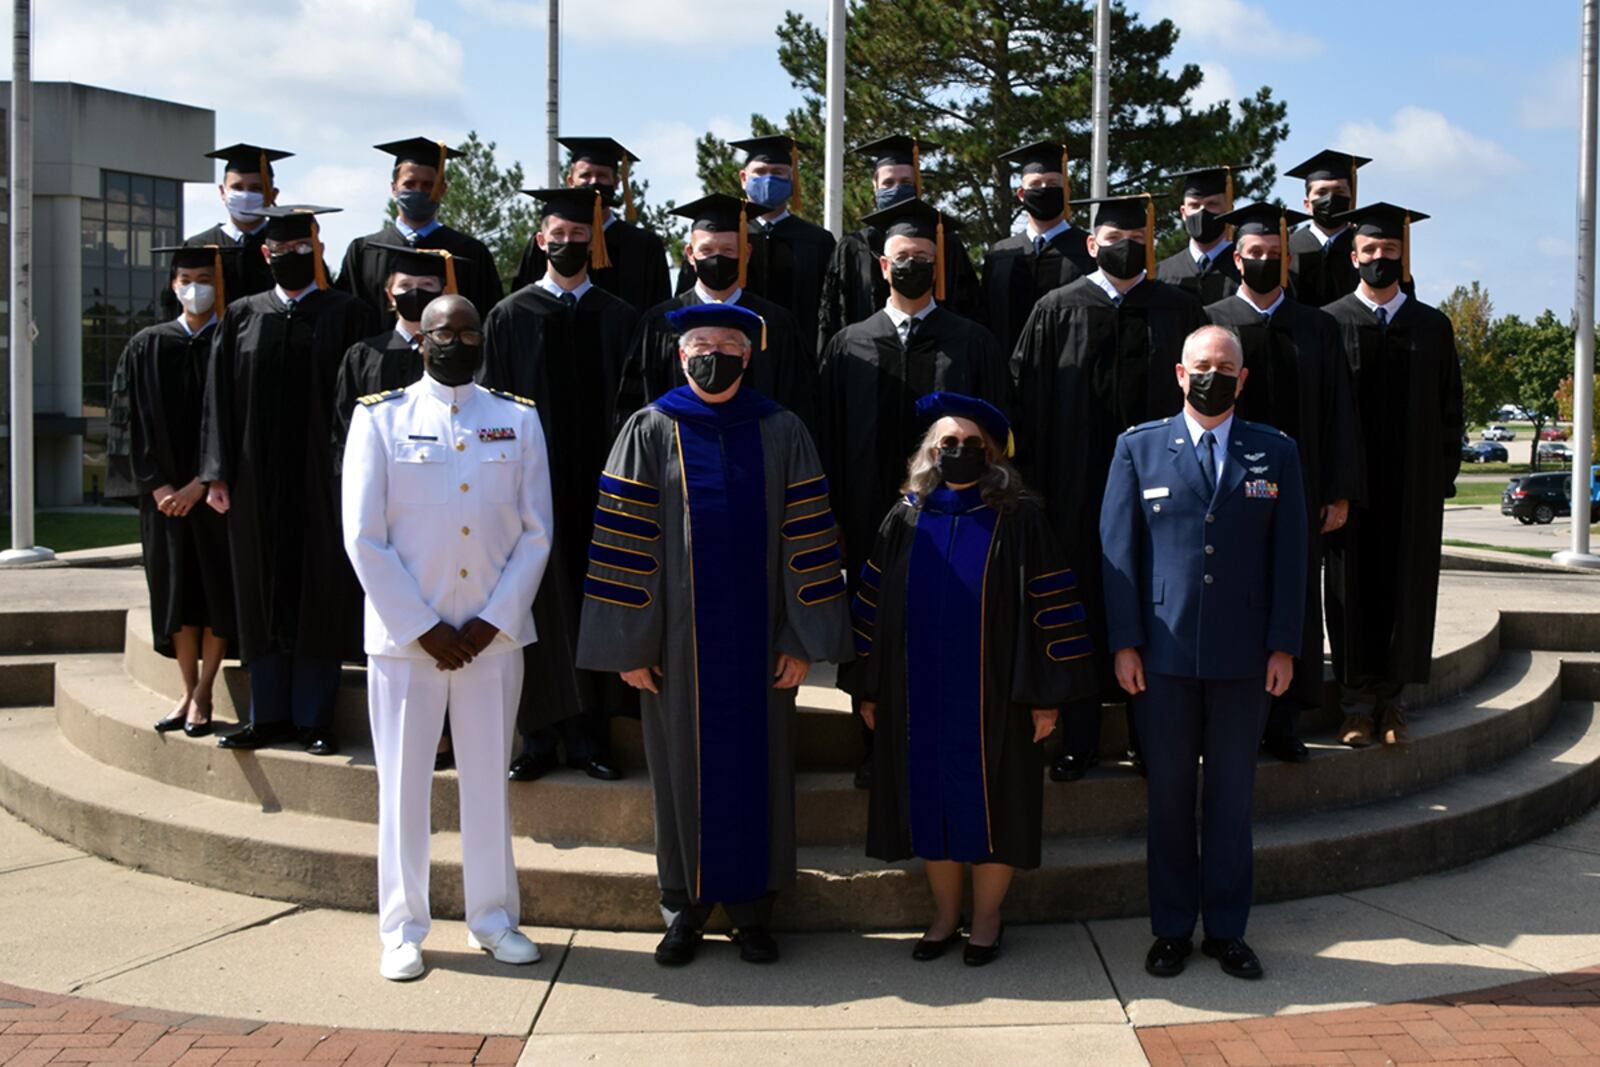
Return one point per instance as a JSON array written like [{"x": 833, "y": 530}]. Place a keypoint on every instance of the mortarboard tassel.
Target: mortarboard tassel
[
  {"x": 1066, "y": 182},
  {"x": 628, "y": 212},
  {"x": 221, "y": 299},
  {"x": 1227, "y": 192},
  {"x": 794, "y": 176},
  {"x": 599, "y": 258},
  {"x": 916, "y": 166},
  {"x": 316, "y": 250},
  {"x": 763, "y": 333},
  {"x": 1149, "y": 235},
  {"x": 938, "y": 259},
  {"x": 1283, "y": 250},
  {"x": 744, "y": 243},
  {"x": 449, "y": 270},
  {"x": 266, "y": 176},
  {"x": 1353, "y": 166},
  {"x": 436, "y": 194},
  {"x": 1405, "y": 248}
]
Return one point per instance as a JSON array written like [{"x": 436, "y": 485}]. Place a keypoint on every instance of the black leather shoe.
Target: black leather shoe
[
  {"x": 756, "y": 945},
  {"x": 321, "y": 743},
  {"x": 1287, "y": 749},
  {"x": 679, "y": 946},
  {"x": 174, "y": 722},
  {"x": 1071, "y": 766},
  {"x": 602, "y": 770},
  {"x": 1236, "y": 957},
  {"x": 258, "y": 735},
  {"x": 983, "y": 955},
  {"x": 197, "y": 729},
  {"x": 864, "y": 774},
  {"x": 527, "y": 767},
  {"x": 444, "y": 760},
  {"x": 925, "y": 950},
  {"x": 1166, "y": 956}
]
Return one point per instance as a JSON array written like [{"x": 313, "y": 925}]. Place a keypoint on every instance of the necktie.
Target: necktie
[
  {"x": 1038, "y": 246},
  {"x": 411, "y": 238},
  {"x": 1208, "y": 461},
  {"x": 1204, "y": 265},
  {"x": 1116, "y": 301},
  {"x": 569, "y": 302},
  {"x": 907, "y": 330},
  {"x": 1383, "y": 317}
]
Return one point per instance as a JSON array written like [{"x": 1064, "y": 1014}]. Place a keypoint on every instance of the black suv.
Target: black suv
[{"x": 1541, "y": 498}]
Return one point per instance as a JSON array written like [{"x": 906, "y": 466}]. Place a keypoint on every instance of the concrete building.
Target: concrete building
[{"x": 109, "y": 169}]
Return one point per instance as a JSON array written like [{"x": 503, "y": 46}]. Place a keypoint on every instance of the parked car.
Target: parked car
[
  {"x": 1556, "y": 450},
  {"x": 1485, "y": 452},
  {"x": 1542, "y": 498},
  {"x": 1499, "y": 433},
  {"x": 1512, "y": 413},
  {"x": 1554, "y": 433}
]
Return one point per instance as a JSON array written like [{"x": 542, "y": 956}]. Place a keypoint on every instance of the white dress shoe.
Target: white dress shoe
[
  {"x": 508, "y": 946},
  {"x": 402, "y": 963}
]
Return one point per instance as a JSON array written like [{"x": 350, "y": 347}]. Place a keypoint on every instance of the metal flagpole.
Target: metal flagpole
[
  {"x": 552, "y": 107},
  {"x": 1102, "y": 98},
  {"x": 1583, "y": 359},
  {"x": 23, "y": 550},
  {"x": 833, "y": 167}
]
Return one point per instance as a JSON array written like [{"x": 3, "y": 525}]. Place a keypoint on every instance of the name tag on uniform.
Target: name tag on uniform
[
  {"x": 498, "y": 433},
  {"x": 1261, "y": 489},
  {"x": 1157, "y": 493}
]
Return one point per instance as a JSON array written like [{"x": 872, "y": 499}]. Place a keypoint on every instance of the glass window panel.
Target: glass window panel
[
  {"x": 166, "y": 218},
  {"x": 117, "y": 283},
  {"x": 143, "y": 242},
  {"x": 94, "y": 242},
  {"x": 143, "y": 215},
  {"x": 117, "y": 246},
  {"x": 94, "y": 402},
  {"x": 167, "y": 236},
  {"x": 116, "y": 187},
  {"x": 92, "y": 208},
  {"x": 142, "y": 190},
  {"x": 117, "y": 212},
  {"x": 141, "y": 283},
  {"x": 166, "y": 193}
]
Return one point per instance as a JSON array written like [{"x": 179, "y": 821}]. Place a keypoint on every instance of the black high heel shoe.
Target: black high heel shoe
[
  {"x": 982, "y": 955},
  {"x": 926, "y": 950},
  {"x": 197, "y": 729},
  {"x": 171, "y": 723}
]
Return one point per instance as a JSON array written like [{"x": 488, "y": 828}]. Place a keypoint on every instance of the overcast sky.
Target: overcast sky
[{"x": 1459, "y": 110}]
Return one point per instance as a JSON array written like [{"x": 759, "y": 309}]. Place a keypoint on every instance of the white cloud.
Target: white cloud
[
  {"x": 663, "y": 21},
  {"x": 1219, "y": 85},
  {"x": 1556, "y": 247},
  {"x": 1551, "y": 102},
  {"x": 666, "y": 149},
  {"x": 1233, "y": 27},
  {"x": 1420, "y": 143}
]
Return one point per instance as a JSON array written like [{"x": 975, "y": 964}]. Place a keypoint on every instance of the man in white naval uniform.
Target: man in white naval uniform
[{"x": 446, "y": 503}]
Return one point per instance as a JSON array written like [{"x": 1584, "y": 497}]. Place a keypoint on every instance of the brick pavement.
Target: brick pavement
[
  {"x": 1542, "y": 1021},
  {"x": 38, "y": 1028}
]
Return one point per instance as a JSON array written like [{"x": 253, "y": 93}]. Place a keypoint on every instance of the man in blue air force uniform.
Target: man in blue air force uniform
[{"x": 1204, "y": 560}]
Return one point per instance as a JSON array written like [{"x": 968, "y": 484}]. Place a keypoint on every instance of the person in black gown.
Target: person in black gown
[
  {"x": 1205, "y": 268},
  {"x": 853, "y": 287},
  {"x": 418, "y": 186},
  {"x": 267, "y": 454},
  {"x": 247, "y": 186},
  {"x": 560, "y": 342},
  {"x": 1383, "y": 567},
  {"x": 1047, "y": 254},
  {"x": 718, "y": 252},
  {"x": 1096, "y": 357},
  {"x": 153, "y": 441},
  {"x": 1300, "y": 383},
  {"x": 635, "y": 262},
  {"x": 1320, "y": 271},
  {"x": 967, "y": 623}
]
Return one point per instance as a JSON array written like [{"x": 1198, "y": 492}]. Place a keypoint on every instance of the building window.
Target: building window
[{"x": 122, "y": 289}]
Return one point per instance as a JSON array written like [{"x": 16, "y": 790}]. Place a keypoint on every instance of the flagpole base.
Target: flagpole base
[
  {"x": 1585, "y": 560},
  {"x": 36, "y": 554}
]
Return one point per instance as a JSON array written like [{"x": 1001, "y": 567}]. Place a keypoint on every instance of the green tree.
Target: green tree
[
  {"x": 1538, "y": 355},
  {"x": 980, "y": 77},
  {"x": 1485, "y": 379},
  {"x": 487, "y": 202}
]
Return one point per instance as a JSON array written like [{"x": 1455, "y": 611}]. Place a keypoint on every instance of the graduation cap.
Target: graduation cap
[
  {"x": 425, "y": 152},
  {"x": 727, "y": 316},
  {"x": 774, "y": 148},
  {"x": 249, "y": 159},
  {"x": 936, "y": 406},
  {"x": 1266, "y": 220},
  {"x": 1330, "y": 165},
  {"x": 194, "y": 257},
  {"x": 916, "y": 218},
  {"x": 1131, "y": 211},
  {"x": 1041, "y": 157},
  {"x": 426, "y": 262},
  {"x": 1388, "y": 221},
  {"x": 583, "y": 204},
  {"x": 898, "y": 150},
  {"x": 605, "y": 152},
  {"x": 721, "y": 213},
  {"x": 291, "y": 222},
  {"x": 1206, "y": 181}
]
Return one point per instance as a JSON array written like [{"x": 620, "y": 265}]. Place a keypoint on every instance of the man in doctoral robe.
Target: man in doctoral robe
[
  {"x": 1383, "y": 567},
  {"x": 874, "y": 372},
  {"x": 1319, "y": 270},
  {"x": 1096, "y": 357},
  {"x": 561, "y": 341},
  {"x": 267, "y": 456},
  {"x": 1205, "y": 268},
  {"x": 1047, "y": 254},
  {"x": 1301, "y": 384},
  {"x": 634, "y": 266},
  {"x": 853, "y": 287},
  {"x": 718, "y": 252},
  {"x": 247, "y": 186},
  {"x": 418, "y": 185},
  {"x": 713, "y": 585}
]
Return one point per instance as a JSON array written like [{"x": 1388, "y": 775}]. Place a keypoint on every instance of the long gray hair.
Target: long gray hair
[{"x": 1000, "y": 485}]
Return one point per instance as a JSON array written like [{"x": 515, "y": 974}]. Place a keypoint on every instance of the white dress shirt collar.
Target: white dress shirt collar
[
  {"x": 1324, "y": 236},
  {"x": 556, "y": 291},
  {"x": 1100, "y": 279},
  {"x": 1198, "y": 253},
  {"x": 1220, "y": 431},
  {"x": 292, "y": 300},
  {"x": 405, "y": 335},
  {"x": 899, "y": 317},
  {"x": 421, "y": 231},
  {"x": 212, "y": 321},
  {"x": 770, "y": 224},
  {"x": 237, "y": 234},
  {"x": 1267, "y": 311},
  {"x": 1390, "y": 308},
  {"x": 1049, "y": 235},
  {"x": 706, "y": 298}
]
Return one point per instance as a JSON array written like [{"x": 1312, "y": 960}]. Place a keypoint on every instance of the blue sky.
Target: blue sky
[{"x": 1460, "y": 111}]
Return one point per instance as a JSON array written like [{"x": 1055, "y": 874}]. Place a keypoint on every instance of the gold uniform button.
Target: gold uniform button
[
  {"x": 1209, "y": 579},
  {"x": 463, "y": 572},
  {"x": 465, "y": 530},
  {"x": 461, "y": 446},
  {"x": 1211, "y": 550},
  {"x": 454, "y": 409},
  {"x": 465, "y": 487}
]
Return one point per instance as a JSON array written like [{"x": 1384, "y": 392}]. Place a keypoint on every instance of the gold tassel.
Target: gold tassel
[
  {"x": 938, "y": 259},
  {"x": 316, "y": 250},
  {"x": 1011, "y": 443},
  {"x": 266, "y": 176},
  {"x": 1353, "y": 168},
  {"x": 1405, "y": 248},
  {"x": 744, "y": 243},
  {"x": 794, "y": 176},
  {"x": 916, "y": 166},
  {"x": 628, "y": 213},
  {"x": 1149, "y": 235},
  {"x": 1066, "y": 186},
  {"x": 599, "y": 258},
  {"x": 763, "y": 332},
  {"x": 436, "y": 194},
  {"x": 221, "y": 299},
  {"x": 1227, "y": 192},
  {"x": 449, "y": 271},
  {"x": 1283, "y": 250}
]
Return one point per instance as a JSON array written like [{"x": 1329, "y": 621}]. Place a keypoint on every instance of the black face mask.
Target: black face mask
[
  {"x": 1260, "y": 275},
  {"x": 886, "y": 198},
  {"x": 293, "y": 271},
  {"x": 1044, "y": 201},
  {"x": 1326, "y": 206},
  {"x": 1124, "y": 260},
  {"x": 567, "y": 257},
  {"x": 408, "y": 303},
  {"x": 716, "y": 272},
  {"x": 1204, "y": 226},
  {"x": 715, "y": 372},
  {"x": 1380, "y": 273},
  {"x": 452, "y": 364},
  {"x": 911, "y": 278},
  {"x": 962, "y": 464},
  {"x": 1212, "y": 393},
  {"x": 608, "y": 193}
]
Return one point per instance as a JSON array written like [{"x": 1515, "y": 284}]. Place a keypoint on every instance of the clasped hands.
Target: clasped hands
[
  {"x": 790, "y": 673},
  {"x": 179, "y": 502},
  {"x": 453, "y": 648},
  {"x": 1129, "y": 666}
]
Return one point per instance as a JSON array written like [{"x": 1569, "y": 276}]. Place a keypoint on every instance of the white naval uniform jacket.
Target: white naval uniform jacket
[{"x": 447, "y": 513}]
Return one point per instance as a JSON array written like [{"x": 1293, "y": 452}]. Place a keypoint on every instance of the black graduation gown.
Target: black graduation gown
[
  {"x": 867, "y": 426},
  {"x": 1320, "y": 277},
  {"x": 372, "y": 365},
  {"x": 638, "y": 271},
  {"x": 783, "y": 372},
  {"x": 365, "y": 269},
  {"x": 1219, "y": 279},
  {"x": 569, "y": 364},
  {"x": 1086, "y": 370},
  {"x": 1014, "y": 278},
  {"x": 1383, "y": 567},
  {"x": 154, "y": 440},
  {"x": 787, "y": 262},
  {"x": 1300, "y": 383},
  {"x": 268, "y": 433},
  {"x": 853, "y": 287},
  {"x": 966, "y": 619},
  {"x": 243, "y": 274}
]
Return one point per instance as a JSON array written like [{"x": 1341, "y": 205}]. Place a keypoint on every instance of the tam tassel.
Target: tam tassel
[
  {"x": 794, "y": 176},
  {"x": 321, "y": 274},
  {"x": 744, "y": 243},
  {"x": 1066, "y": 182},
  {"x": 938, "y": 260},
  {"x": 1353, "y": 166},
  {"x": 1227, "y": 192},
  {"x": 1149, "y": 235},
  {"x": 449, "y": 271},
  {"x": 1283, "y": 251},
  {"x": 599, "y": 258},
  {"x": 628, "y": 212},
  {"x": 1405, "y": 248},
  {"x": 436, "y": 194},
  {"x": 221, "y": 298},
  {"x": 916, "y": 166},
  {"x": 266, "y": 174},
  {"x": 763, "y": 333}
]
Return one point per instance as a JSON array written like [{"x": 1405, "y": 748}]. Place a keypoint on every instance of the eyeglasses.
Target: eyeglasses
[
  {"x": 443, "y": 335},
  {"x": 956, "y": 442},
  {"x": 909, "y": 258},
  {"x": 301, "y": 248},
  {"x": 705, "y": 349}
]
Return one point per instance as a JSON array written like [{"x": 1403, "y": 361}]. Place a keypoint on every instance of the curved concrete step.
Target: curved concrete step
[{"x": 321, "y": 861}]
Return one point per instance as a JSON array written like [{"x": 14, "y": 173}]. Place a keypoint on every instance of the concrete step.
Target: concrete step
[
  {"x": 27, "y": 681},
  {"x": 32, "y": 632},
  {"x": 315, "y": 860}
]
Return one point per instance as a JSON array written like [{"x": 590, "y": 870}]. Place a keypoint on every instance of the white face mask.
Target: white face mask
[
  {"x": 242, "y": 204},
  {"x": 196, "y": 298}
]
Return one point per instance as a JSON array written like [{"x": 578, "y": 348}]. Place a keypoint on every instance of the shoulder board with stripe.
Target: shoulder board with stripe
[
  {"x": 378, "y": 398},
  {"x": 514, "y": 398}
]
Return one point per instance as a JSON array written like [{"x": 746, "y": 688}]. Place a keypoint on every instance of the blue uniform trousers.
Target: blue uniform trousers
[{"x": 285, "y": 687}]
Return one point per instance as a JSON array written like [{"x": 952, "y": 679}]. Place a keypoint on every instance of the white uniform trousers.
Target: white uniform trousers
[{"x": 406, "y": 701}]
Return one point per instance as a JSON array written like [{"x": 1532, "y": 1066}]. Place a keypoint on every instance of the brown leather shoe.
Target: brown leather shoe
[
  {"x": 1356, "y": 731},
  {"x": 1392, "y": 725}
]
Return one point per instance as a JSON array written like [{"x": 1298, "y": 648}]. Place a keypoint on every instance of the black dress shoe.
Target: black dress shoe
[
  {"x": 171, "y": 723},
  {"x": 321, "y": 743},
  {"x": 1166, "y": 956},
  {"x": 445, "y": 760},
  {"x": 197, "y": 729},
  {"x": 1071, "y": 766},
  {"x": 678, "y": 947},
  {"x": 983, "y": 955},
  {"x": 527, "y": 767},
  {"x": 257, "y": 735},
  {"x": 756, "y": 945},
  {"x": 925, "y": 950},
  {"x": 1287, "y": 749},
  {"x": 602, "y": 770},
  {"x": 864, "y": 774},
  {"x": 1236, "y": 957}
]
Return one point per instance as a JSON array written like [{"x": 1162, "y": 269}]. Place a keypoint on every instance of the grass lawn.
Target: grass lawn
[
  {"x": 1537, "y": 553},
  {"x": 1477, "y": 493},
  {"x": 67, "y": 531}
]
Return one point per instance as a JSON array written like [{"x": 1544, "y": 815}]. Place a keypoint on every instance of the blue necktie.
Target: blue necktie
[
  {"x": 1383, "y": 317},
  {"x": 1208, "y": 461},
  {"x": 1038, "y": 246},
  {"x": 569, "y": 301}
]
